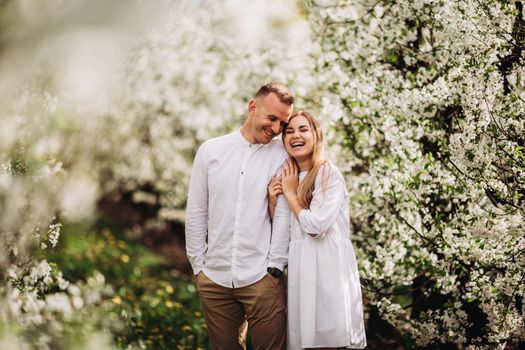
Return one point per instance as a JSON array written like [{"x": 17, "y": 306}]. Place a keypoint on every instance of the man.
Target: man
[{"x": 236, "y": 253}]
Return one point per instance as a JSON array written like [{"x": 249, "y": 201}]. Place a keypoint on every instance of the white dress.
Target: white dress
[{"x": 325, "y": 307}]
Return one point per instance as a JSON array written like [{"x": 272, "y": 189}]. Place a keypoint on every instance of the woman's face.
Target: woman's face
[{"x": 299, "y": 138}]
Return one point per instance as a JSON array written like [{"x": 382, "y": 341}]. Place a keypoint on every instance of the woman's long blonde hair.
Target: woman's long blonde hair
[{"x": 307, "y": 186}]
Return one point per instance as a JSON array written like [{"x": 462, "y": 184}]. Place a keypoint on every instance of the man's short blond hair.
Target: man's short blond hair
[{"x": 280, "y": 90}]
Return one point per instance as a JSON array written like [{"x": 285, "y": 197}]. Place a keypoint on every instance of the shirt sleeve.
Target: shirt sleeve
[
  {"x": 280, "y": 241},
  {"x": 280, "y": 235},
  {"x": 326, "y": 202},
  {"x": 196, "y": 226}
]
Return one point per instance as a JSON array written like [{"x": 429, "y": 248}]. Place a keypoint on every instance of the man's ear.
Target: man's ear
[{"x": 251, "y": 106}]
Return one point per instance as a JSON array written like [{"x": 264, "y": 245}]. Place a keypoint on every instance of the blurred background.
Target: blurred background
[{"x": 104, "y": 103}]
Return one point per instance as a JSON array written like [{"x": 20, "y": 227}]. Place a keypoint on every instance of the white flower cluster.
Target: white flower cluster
[
  {"x": 52, "y": 235},
  {"x": 41, "y": 300},
  {"x": 432, "y": 136}
]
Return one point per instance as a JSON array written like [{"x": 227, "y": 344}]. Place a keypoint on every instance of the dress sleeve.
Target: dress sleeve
[{"x": 328, "y": 197}]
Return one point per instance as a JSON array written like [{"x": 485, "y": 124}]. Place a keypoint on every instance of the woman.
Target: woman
[{"x": 324, "y": 294}]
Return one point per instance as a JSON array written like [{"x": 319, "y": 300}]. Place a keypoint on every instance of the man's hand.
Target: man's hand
[{"x": 195, "y": 277}]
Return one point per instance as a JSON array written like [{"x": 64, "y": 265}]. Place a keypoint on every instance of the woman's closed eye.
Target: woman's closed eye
[{"x": 301, "y": 129}]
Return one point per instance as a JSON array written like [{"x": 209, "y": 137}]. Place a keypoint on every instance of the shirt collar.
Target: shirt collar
[{"x": 245, "y": 142}]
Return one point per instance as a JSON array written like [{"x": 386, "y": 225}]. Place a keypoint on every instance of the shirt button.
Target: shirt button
[{"x": 242, "y": 172}]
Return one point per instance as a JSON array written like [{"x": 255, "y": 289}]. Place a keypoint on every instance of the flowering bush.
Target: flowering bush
[
  {"x": 39, "y": 308},
  {"x": 429, "y": 108}
]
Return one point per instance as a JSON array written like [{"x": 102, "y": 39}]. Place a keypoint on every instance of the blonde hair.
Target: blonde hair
[
  {"x": 280, "y": 90},
  {"x": 307, "y": 186}
]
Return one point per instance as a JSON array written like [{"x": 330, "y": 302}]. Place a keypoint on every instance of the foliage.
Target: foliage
[
  {"x": 151, "y": 307},
  {"x": 42, "y": 310},
  {"x": 428, "y": 102}
]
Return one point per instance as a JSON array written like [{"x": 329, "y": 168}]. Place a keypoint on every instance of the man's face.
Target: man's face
[{"x": 268, "y": 114}]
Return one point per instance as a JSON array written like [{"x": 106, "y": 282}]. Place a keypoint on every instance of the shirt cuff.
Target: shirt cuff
[
  {"x": 197, "y": 270},
  {"x": 276, "y": 265}
]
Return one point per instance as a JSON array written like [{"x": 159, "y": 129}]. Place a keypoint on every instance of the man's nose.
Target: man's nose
[{"x": 276, "y": 128}]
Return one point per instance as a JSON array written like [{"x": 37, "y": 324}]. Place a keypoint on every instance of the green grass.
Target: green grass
[{"x": 152, "y": 305}]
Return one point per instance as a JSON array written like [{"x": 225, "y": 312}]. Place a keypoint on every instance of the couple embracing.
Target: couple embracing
[{"x": 256, "y": 204}]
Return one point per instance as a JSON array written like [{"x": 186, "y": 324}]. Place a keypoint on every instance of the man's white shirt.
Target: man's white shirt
[{"x": 229, "y": 235}]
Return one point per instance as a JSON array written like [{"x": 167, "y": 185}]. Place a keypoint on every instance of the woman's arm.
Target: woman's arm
[
  {"x": 328, "y": 197},
  {"x": 329, "y": 192}
]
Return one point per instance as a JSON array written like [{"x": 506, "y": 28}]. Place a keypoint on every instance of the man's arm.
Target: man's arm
[
  {"x": 196, "y": 226},
  {"x": 280, "y": 242}
]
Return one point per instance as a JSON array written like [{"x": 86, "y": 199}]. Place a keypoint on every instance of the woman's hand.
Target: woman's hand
[
  {"x": 290, "y": 183},
  {"x": 290, "y": 178},
  {"x": 274, "y": 190}
]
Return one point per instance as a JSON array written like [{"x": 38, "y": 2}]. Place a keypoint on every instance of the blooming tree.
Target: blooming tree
[{"x": 429, "y": 108}]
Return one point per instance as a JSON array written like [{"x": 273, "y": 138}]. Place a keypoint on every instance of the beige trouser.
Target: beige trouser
[{"x": 261, "y": 303}]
